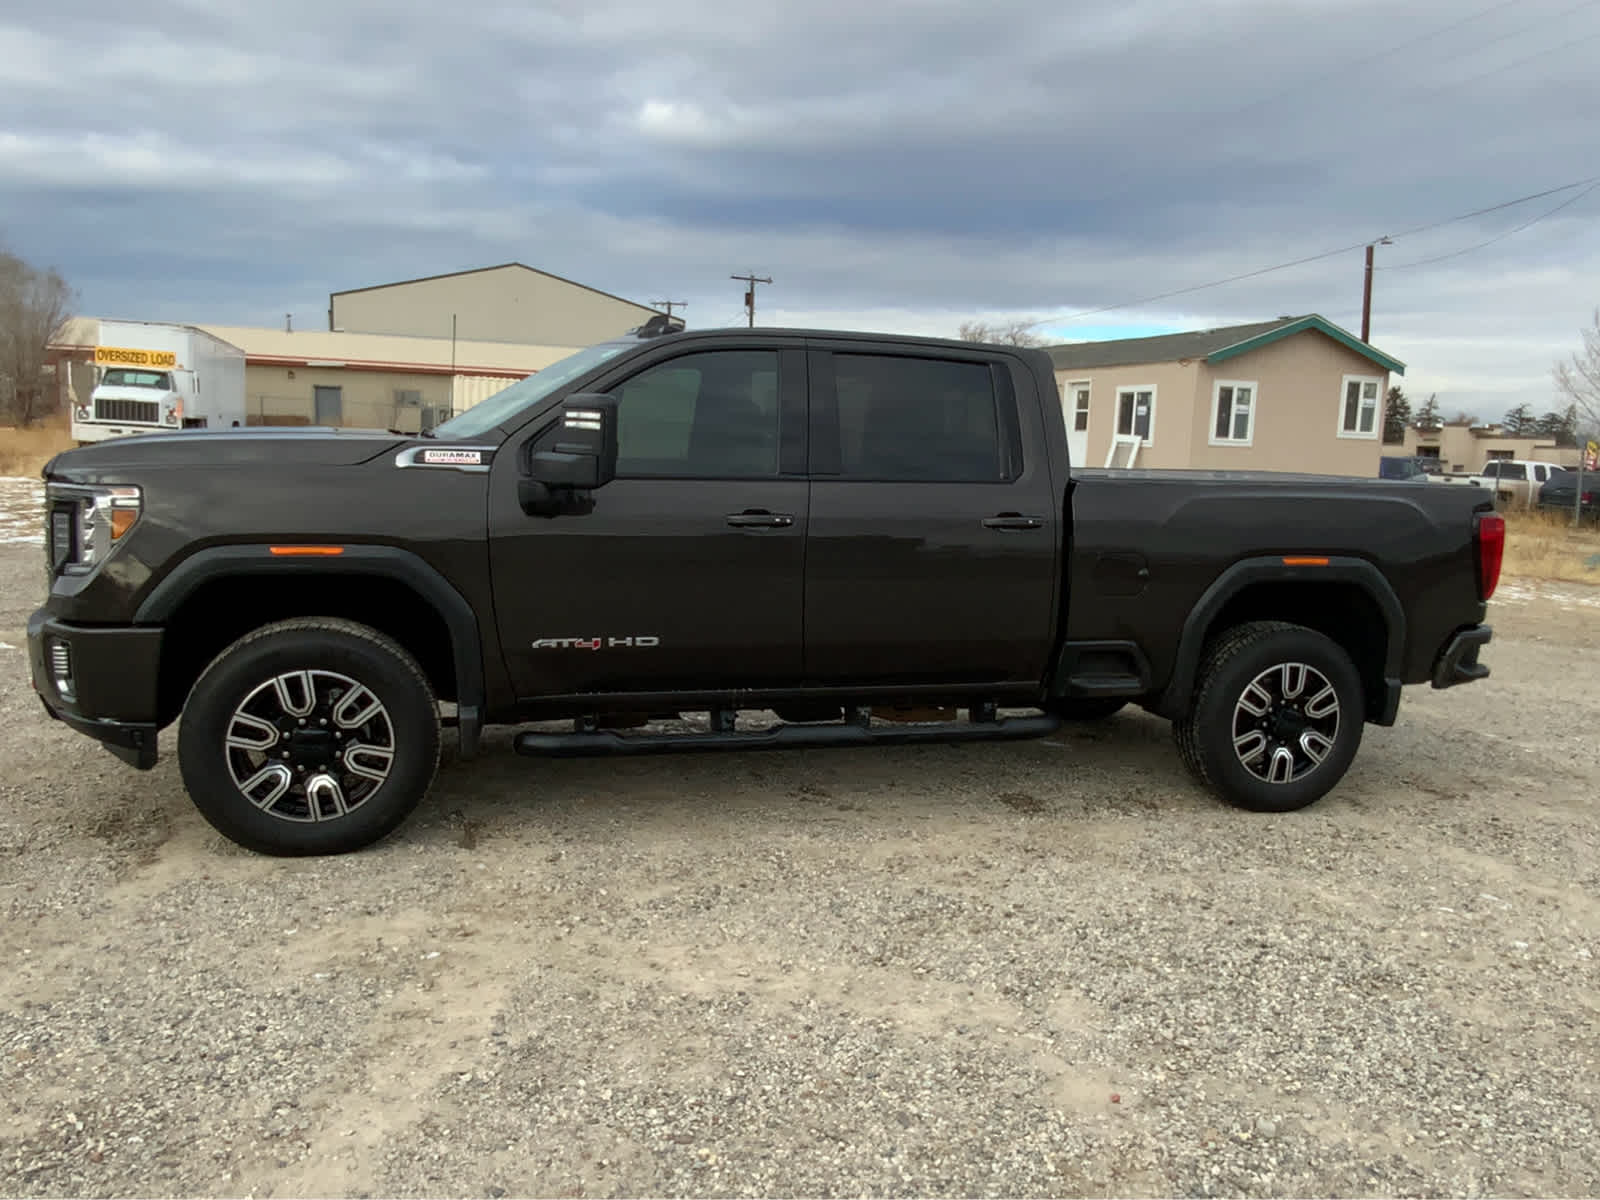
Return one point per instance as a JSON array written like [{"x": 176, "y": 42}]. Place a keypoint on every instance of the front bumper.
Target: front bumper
[
  {"x": 1458, "y": 660},
  {"x": 103, "y": 681}
]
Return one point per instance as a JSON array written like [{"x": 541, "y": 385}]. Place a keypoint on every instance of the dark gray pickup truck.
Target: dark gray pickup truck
[{"x": 867, "y": 535}]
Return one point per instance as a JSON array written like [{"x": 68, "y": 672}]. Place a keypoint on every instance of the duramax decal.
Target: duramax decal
[
  {"x": 597, "y": 643},
  {"x": 452, "y": 458}
]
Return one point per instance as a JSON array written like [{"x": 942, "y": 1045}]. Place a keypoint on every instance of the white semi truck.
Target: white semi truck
[{"x": 152, "y": 377}]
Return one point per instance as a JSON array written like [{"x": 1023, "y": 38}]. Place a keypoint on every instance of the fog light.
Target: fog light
[{"x": 61, "y": 668}]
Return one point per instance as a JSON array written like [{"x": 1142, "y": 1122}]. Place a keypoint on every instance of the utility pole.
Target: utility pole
[
  {"x": 669, "y": 305},
  {"x": 750, "y": 293},
  {"x": 1366, "y": 292}
]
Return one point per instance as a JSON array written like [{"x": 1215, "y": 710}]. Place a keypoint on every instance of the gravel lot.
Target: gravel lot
[{"x": 1038, "y": 968}]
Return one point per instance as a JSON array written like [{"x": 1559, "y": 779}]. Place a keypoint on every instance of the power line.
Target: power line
[
  {"x": 1481, "y": 212},
  {"x": 1209, "y": 119},
  {"x": 1513, "y": 64},
  {"x": 1367, "y": 59},
  {"x": 1311, "y": 258},
  {"x": 1422, "y": 262}
]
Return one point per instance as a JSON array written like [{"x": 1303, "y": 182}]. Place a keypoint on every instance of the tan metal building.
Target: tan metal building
[
  {"x": 1296, "y": 394},
  {"x": 1461, "y": 447},
  {"x": 506, "y": 303},
  {"x": 379, "y": 381},
  {"x": 314, "y": 377}
]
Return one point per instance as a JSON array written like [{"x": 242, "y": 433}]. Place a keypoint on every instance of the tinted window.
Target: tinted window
[
  {"x": 1507, "y": 470},
  {"x": 707, "y": 416},
  {"x": 921, "y": 419}
]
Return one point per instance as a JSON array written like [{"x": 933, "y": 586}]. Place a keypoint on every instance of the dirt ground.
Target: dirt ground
[{"x": 1052, "y": 967}]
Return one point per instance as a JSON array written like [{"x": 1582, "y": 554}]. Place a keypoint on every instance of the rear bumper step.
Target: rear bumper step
[
  {"x": 1458, "y": 662},
  {"x": 782, "y": 737}
]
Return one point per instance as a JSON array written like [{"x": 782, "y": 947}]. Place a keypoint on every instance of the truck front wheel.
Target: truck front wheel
[
  {"x": 1277, "y": 716},
  {"x": 313, "y": 736}
]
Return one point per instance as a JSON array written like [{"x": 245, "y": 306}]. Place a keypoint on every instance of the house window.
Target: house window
[
  {"x": 1358, "y": 407},
  {"x": 1136, "y": 413},
  {"x": 1233, "y": 413},
  {"x": 1079, "y": 392}
]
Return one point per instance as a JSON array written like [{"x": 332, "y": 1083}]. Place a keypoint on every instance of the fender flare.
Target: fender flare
[
  {"x": 1247, "y": 572},
  {"x": 391, "y": 562}
]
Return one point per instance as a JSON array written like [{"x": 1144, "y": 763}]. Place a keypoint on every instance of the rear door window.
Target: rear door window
[{"x": 907, "y": 419}]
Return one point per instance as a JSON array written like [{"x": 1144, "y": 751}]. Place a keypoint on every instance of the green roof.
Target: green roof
[{"x": 1212, "y": 345}]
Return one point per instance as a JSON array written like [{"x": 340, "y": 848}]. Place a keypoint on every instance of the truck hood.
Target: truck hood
[{"x": 310, "y": 446}]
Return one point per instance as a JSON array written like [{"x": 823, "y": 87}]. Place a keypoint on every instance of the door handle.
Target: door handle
[
  {"x": 1013, "y": 521},
  {"x": 760, "y": 519}
]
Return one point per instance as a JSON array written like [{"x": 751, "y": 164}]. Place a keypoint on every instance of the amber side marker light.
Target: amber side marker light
[
  {"x": 307, "y": 551},
  {"x": 122, "y": 520},
  {"x": 1305, "y": 562}
]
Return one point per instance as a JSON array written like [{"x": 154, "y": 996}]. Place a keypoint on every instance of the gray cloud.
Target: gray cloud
[{"x": 893, "y": 164}]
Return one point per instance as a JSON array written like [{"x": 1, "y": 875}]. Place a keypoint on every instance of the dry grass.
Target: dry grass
[
  {"x": 25, "y": 451},
  {"x": 1543, "y": 545}
]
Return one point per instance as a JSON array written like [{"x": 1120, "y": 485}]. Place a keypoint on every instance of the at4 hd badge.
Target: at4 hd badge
[{"x": 636, "y": 642}]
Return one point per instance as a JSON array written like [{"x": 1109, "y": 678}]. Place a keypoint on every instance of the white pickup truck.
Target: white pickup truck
[{"x": 1515, "y": 482}]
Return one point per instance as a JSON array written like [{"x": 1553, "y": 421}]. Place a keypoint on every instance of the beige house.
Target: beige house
[
  {"x": 506, "y": 303},
  {"x": 1461, "y": 447},
  {"x": 1295, "y": 394}
]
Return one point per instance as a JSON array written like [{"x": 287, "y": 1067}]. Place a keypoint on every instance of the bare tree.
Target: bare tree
[
  {"x": 34, "y": 304},
  {"x": 1578, "y": 378},
  {"x": 1011, "y": 333}
]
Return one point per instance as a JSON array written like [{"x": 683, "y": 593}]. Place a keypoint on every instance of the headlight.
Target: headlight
[
  {"x": 84, "y": 524},
  {"x": 170, "y": 415},
  {"x": 81, "y": 412}
]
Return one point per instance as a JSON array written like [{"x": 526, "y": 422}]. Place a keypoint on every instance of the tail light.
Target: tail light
[{"x": 1489, "y": 534}]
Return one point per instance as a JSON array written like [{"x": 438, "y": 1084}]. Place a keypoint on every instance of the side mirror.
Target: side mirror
[{"x": 584, "y": 454}]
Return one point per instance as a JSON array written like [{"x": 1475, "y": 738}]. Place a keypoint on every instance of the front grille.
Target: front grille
[{"x": 147, "y": 411}]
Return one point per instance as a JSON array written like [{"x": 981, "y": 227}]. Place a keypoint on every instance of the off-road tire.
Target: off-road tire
[
  {"x": 1231, "y": 663},
  {"x": 322, "y": 645}
]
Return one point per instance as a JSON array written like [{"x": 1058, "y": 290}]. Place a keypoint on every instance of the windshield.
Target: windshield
[
  {"x": 149, "y": 379},
  {"x": 503, "y": 405}
]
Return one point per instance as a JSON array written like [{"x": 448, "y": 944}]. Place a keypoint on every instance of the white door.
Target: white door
[{"x": 1075, "y": 409}]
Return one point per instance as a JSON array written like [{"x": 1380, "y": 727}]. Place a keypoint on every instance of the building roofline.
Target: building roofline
[
  {"x": 1310, "y": 321},
  {"x": 378, "y": 287}
]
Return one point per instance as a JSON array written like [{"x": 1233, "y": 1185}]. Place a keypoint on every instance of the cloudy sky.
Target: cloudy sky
[{"x": 891, "y": 164}]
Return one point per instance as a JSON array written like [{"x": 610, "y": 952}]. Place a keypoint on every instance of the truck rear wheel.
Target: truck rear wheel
[
  {"x": 1277, "y": 717},
  {"x": 312, "y": 736}
]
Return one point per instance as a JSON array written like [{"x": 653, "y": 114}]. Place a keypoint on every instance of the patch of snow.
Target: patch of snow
[
  {"x": 21, "y": 511},
  {"x": 1568, "y": 596}
]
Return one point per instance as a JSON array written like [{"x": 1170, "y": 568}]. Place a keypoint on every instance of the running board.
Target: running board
[{"x": 782, "y": 737}]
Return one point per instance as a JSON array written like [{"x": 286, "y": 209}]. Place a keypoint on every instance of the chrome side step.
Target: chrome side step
[{"x": 587, "y": 740}]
